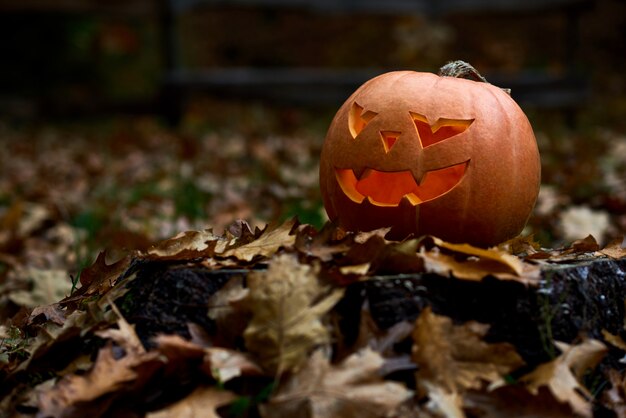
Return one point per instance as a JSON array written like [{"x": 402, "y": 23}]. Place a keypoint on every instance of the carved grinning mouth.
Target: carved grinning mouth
[{"x": 386, "y": 188}]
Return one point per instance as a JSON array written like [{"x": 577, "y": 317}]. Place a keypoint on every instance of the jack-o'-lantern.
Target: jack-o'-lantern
[{"x": 431, "y": 154}]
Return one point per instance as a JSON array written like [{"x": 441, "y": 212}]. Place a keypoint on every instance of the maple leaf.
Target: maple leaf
[
  {"x": 266, "y": 245},
  {"x": 560, "y": 375},
  {"x": 455, "y": 356},
  {"x": 467, "y": 262},
  {"x": 202, "y": 402},
  {"x": 354, "y": 388},
  {"x": 287, "y": 303}
]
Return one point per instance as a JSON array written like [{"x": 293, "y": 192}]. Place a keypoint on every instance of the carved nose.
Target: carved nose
[{"x": 389, "y": 139}]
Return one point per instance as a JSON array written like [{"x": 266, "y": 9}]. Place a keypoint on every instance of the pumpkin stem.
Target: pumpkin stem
[{"x": 461, "y": 69}]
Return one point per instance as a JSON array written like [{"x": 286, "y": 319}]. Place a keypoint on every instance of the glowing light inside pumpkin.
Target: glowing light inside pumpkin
[
  {"x": 383, "y": 188},
  {"x": 357, "y": 119},
  {"x": 440, "y": 130},
  {"x": 389, "y": 138}
]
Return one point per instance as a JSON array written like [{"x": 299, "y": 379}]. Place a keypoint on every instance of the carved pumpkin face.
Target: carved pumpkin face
[{"x": 426, "y": 154}]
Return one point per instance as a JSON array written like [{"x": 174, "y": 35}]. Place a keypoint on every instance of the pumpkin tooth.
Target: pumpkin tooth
[
  {"x": 360, "y": 172},
  {"x": 412, "y": 199}
]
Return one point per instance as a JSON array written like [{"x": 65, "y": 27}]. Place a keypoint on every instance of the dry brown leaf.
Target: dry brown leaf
[
  {"x": 231, "y": 317},
  {"x": 615, "y": 249},
  {"x": 615, "y": 396},
  {"x": 266, "y": 244},
  {"x": 287, "y": 303},
  {"x": 224, "y": 364},
  {"x": 201, "y": 403},
  {"x": 455, "y": 356},
  {"x": 187, "y": 246},
  {"x": 467, "y": 262},
  {"x": 614, "y": 340},
  {"x": 353, "y": 388},
  {"x": 52, "y": 313},
  {"x": 48, "y": 286},
  {"x": 514, "y": 401},
  {"x": 99, "y": 277},
  {"x": 441, "y": 402},
  {"x": 85, "y": 395},
  {"x": 560, "y": 375},
  {"x": 124, "y": 335},
  {"x": 220, "y": 363}
]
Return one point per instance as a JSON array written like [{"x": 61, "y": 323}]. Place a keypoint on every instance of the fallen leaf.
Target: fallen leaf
[
  {"x": 47, "y": 287},
  {"x": 580, "y": 221},
  {"x": 615, "y": 249},
  {"x": 52, "y": 313},
  {"x": 467, "y": 262},
  {"x": 353, "y": 388},
  {"x": 188, "y": 245},
  {"x": 586, "y": 245},
  {"x": 441, "y": 402},
  {"x": 614, "y": 340},
  {"x": 514, "y": 401},
  {"x": 100, "y": 276},
  {"x": 560, "y": 375},
  {"x": 266, "y": 245},
  {"x": 615, "y": 396},
  {"x": 85, "y": 395},
  {"x": 455, "y": 356},
  {"x": 227, "y": 309},
  {"x": 224, "y": 364},
  {"x": 202, "y": 402},
  {"x": 287, "y": 303}
]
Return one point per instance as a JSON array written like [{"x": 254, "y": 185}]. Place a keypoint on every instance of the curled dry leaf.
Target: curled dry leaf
[
  {"x": 187, "y": 246},
  {"x": 86, "y": 395},
  {"x": 98, "y": 278},
  {"x": 287, "y": 303},
  {"x": 467, "y": 262},
  {"x": 616, "y": 248},
  {"x": 353, "y": 388},
  {"x": 266, "y": 244},
  {"x": 561, "y": 375},
  {"x": 455, "y": 356},
  {"x": 202, "y": 402}
]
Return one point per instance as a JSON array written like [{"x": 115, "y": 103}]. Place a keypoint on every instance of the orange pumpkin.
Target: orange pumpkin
[{"x": 426, "y": 154}]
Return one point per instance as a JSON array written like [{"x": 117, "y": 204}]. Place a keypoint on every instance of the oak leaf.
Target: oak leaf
[
  {"x": 267, "y": 244},
  {"x": 561, "y": 375},
  {"x": 467, "y": 262},
  {"x": 287, "y": 303},
  {"x": 353, "y": 388},
  {"x": 456, "y": 357}
]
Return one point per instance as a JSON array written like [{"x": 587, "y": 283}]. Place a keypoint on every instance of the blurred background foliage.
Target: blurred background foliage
[{"x": 94, "y": 158}]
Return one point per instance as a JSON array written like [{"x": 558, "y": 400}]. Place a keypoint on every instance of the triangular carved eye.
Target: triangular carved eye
[
  {"x": 357, "y": 119},
  {"x": 389, "y": 139},
  {"x": 440, "y": 130}
]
